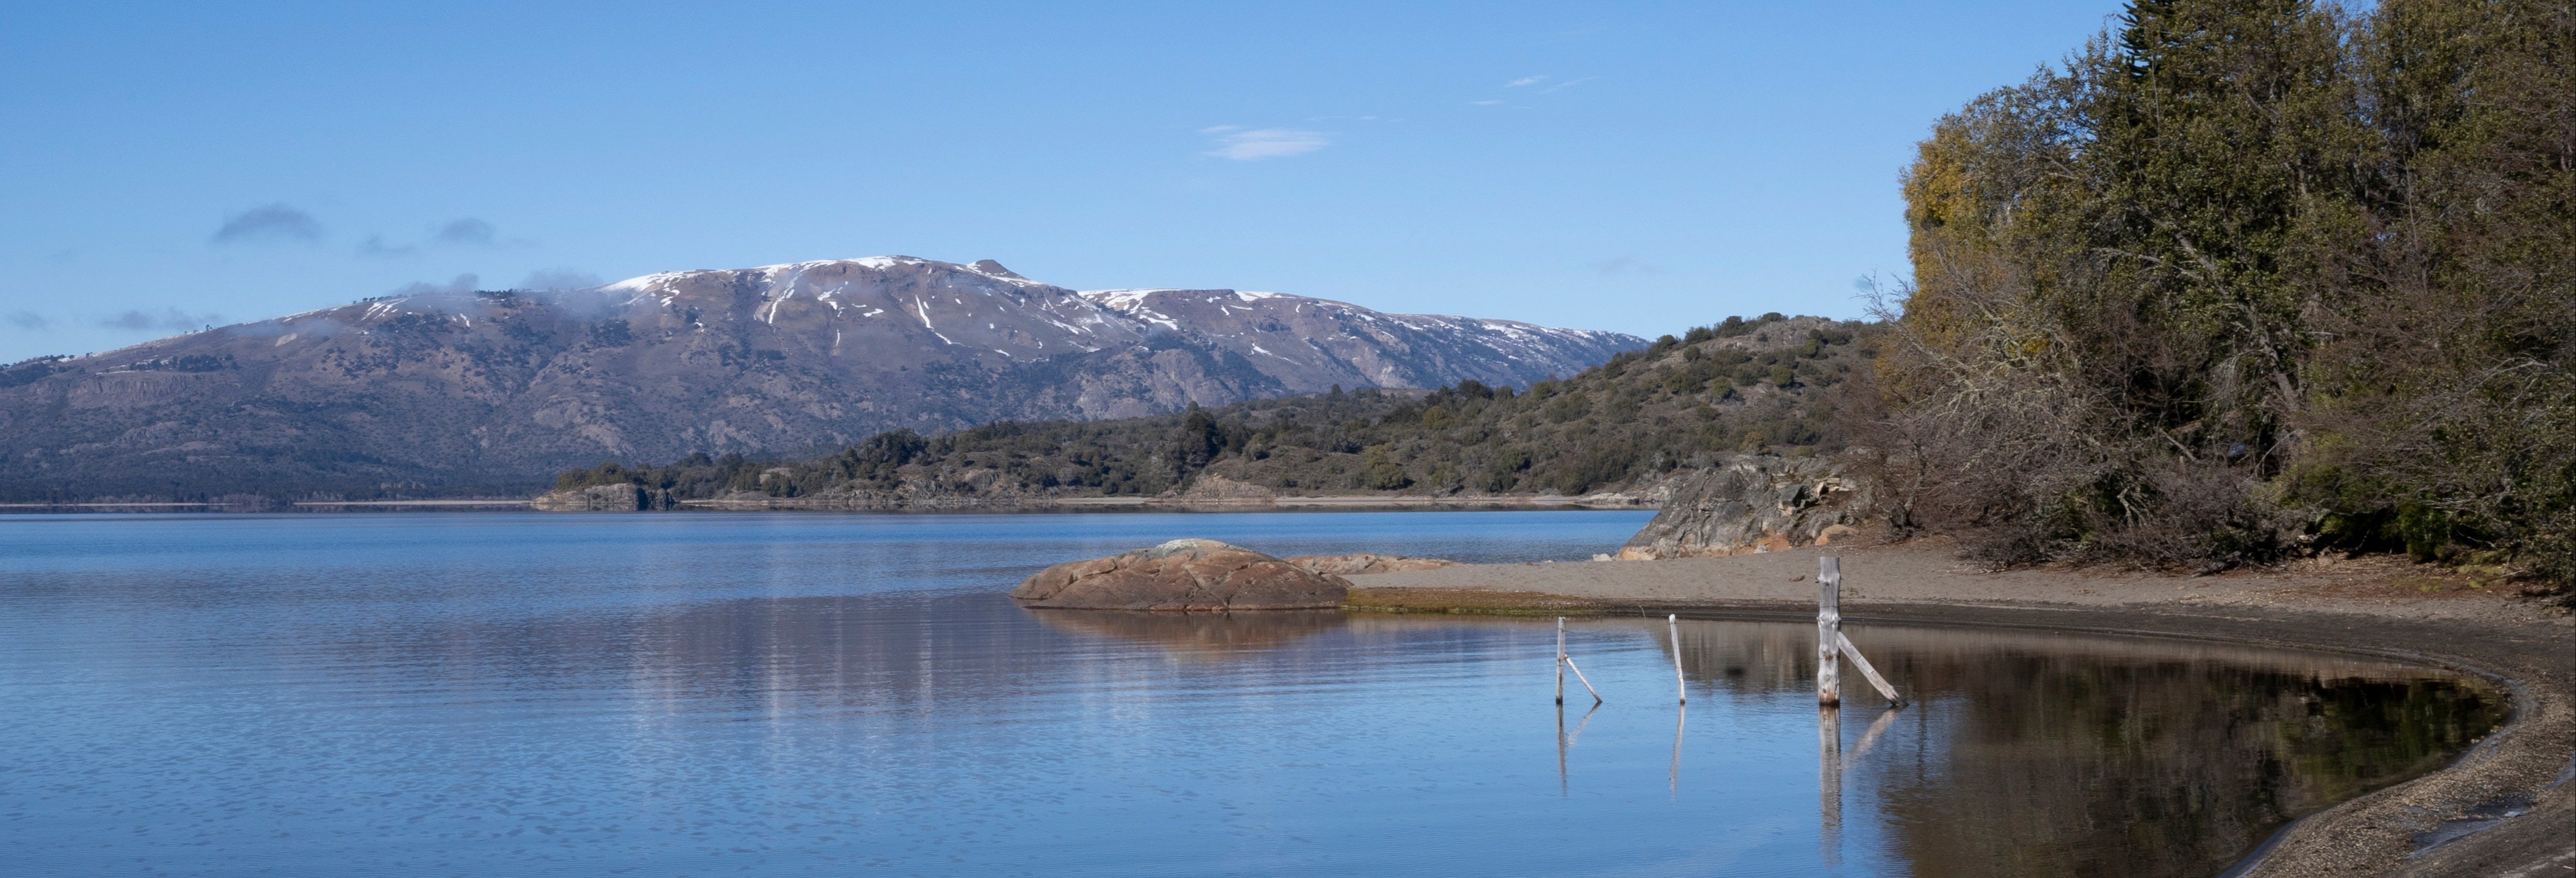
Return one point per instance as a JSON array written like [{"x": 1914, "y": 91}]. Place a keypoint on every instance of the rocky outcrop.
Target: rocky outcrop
[
  {"x": 1185, "y": 576},
  {"x": 1754, "y": 503},
  {"x": 1210, "y": 486},
  {"x": 1365, "y": 562},
  {"x": 603, "y": 498}
]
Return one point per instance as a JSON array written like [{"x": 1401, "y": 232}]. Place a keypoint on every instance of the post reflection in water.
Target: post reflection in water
[
  {"x": 1565, "y": 741},
  {"x": 1830, "y": 763},
  {"x": 1673, "y": 778},
  {"x": 1829, "y": 784},
  {"x": 1869, "y": 736}
]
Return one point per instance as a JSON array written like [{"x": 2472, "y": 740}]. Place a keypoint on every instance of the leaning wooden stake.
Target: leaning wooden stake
[
  {"x": 1829, "y": 630},
  {"x": 1831, "y": 645},
  {"x": 1587, "y": 682},
  {"x": 1866, "y": 671},
  {"x": 1560, "y": 659},
  {"x": 1681, "y": 684}
]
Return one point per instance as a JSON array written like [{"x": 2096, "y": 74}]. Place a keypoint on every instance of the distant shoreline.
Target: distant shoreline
[
  {"x": 1066, "y": 504},
  {"x": 305, "y": 504}
]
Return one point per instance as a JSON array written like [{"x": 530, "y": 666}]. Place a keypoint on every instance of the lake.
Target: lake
[{"x": 773, "y": 694}]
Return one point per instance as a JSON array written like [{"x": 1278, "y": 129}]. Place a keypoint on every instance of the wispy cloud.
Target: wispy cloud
[
  {"x": 469, "y": 231},
  {"x": 464, "y": 283},
  {"x": 1619, "y": 265},
  {"x": 168, "y": 319},
  {"x": 375, "y": 246},
  {"x": 1264, "y": 143},
  {"x": 1483, "y": 103},
  {"x": 1566, "y": 85},
  {"x": 1526, "y": 80},
  {"x": 558, "y": 279},
  {"x": 465, "y": 232},
  {"x": 269, "y": 222},
  {"x": 30, "y": 321}
]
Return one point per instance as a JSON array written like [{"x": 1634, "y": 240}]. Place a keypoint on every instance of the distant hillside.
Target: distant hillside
[
  {"x": 494, "y": 392},
  {"x": 1770, "y": 384}
]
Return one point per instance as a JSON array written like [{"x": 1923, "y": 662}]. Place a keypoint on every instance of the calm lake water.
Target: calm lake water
[{"x": 702, "y": 694}]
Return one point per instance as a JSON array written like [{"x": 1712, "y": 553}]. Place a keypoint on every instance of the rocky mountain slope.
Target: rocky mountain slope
[{"x": 496, "y": 391}]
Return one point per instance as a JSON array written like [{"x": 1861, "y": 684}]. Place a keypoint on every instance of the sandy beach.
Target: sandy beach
[{"x": 2376, "y": 607}]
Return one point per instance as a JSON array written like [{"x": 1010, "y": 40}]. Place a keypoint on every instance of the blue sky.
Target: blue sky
[{"x": 1635, "y": 167}]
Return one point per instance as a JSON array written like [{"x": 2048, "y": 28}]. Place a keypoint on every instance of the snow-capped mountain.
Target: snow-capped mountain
[
  {"x": 1309, "y": 343},
  {"x": 496, "y": 389}
]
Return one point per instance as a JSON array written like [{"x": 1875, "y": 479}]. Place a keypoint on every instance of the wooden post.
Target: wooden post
[
  {"x": 1560, "y": 659},
  {"x": 1681, "y": 684},
  {"x": 1829, "y": 631}
]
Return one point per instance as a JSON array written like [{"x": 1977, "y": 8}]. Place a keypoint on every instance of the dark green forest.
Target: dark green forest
[{"x": 2246, "y": 278}]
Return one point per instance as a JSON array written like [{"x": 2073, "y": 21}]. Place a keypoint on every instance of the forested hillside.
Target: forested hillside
[
  {"x": 1771, "y": 383},
  {"x": 2248, "y": 278}
]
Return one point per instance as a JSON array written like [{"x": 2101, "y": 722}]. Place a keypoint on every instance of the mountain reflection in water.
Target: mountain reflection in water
[
  {"x": 1202, "y": 635},
  {"x": 698, "y": 694}
]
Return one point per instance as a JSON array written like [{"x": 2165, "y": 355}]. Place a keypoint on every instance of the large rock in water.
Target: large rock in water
[
  {"x": 1182, "y": 575},
  {"x": 1754, "y": 503}
]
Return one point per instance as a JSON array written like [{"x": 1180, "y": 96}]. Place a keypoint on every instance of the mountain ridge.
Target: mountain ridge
[{"x": 493, "y": 391}]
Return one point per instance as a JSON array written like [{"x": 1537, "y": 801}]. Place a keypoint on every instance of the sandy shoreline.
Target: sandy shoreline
[{"x": 2377, "y": 608}]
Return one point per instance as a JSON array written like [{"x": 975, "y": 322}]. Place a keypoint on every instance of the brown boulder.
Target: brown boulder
[
  {"x": 1182, "y": 575},
  {"x": 1365, "y": 562}
]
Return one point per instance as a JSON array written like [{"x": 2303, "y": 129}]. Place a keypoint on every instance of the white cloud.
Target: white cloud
[
  {"x": 1482, "y": 103},
  {"x": 1526, "y": 80},
  {"x": 1265, "y": 143},
  {"x": 1567, "y": 84}
]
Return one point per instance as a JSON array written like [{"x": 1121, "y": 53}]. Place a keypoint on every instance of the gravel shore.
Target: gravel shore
[{"x": 2376, "y": 607}]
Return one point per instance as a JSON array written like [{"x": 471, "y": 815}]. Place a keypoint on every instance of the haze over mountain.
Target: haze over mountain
[{"x": 462, "y": 392}]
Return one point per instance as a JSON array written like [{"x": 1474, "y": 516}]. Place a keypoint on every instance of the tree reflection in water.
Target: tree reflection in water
[{"x": 2039, "y": 754}]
